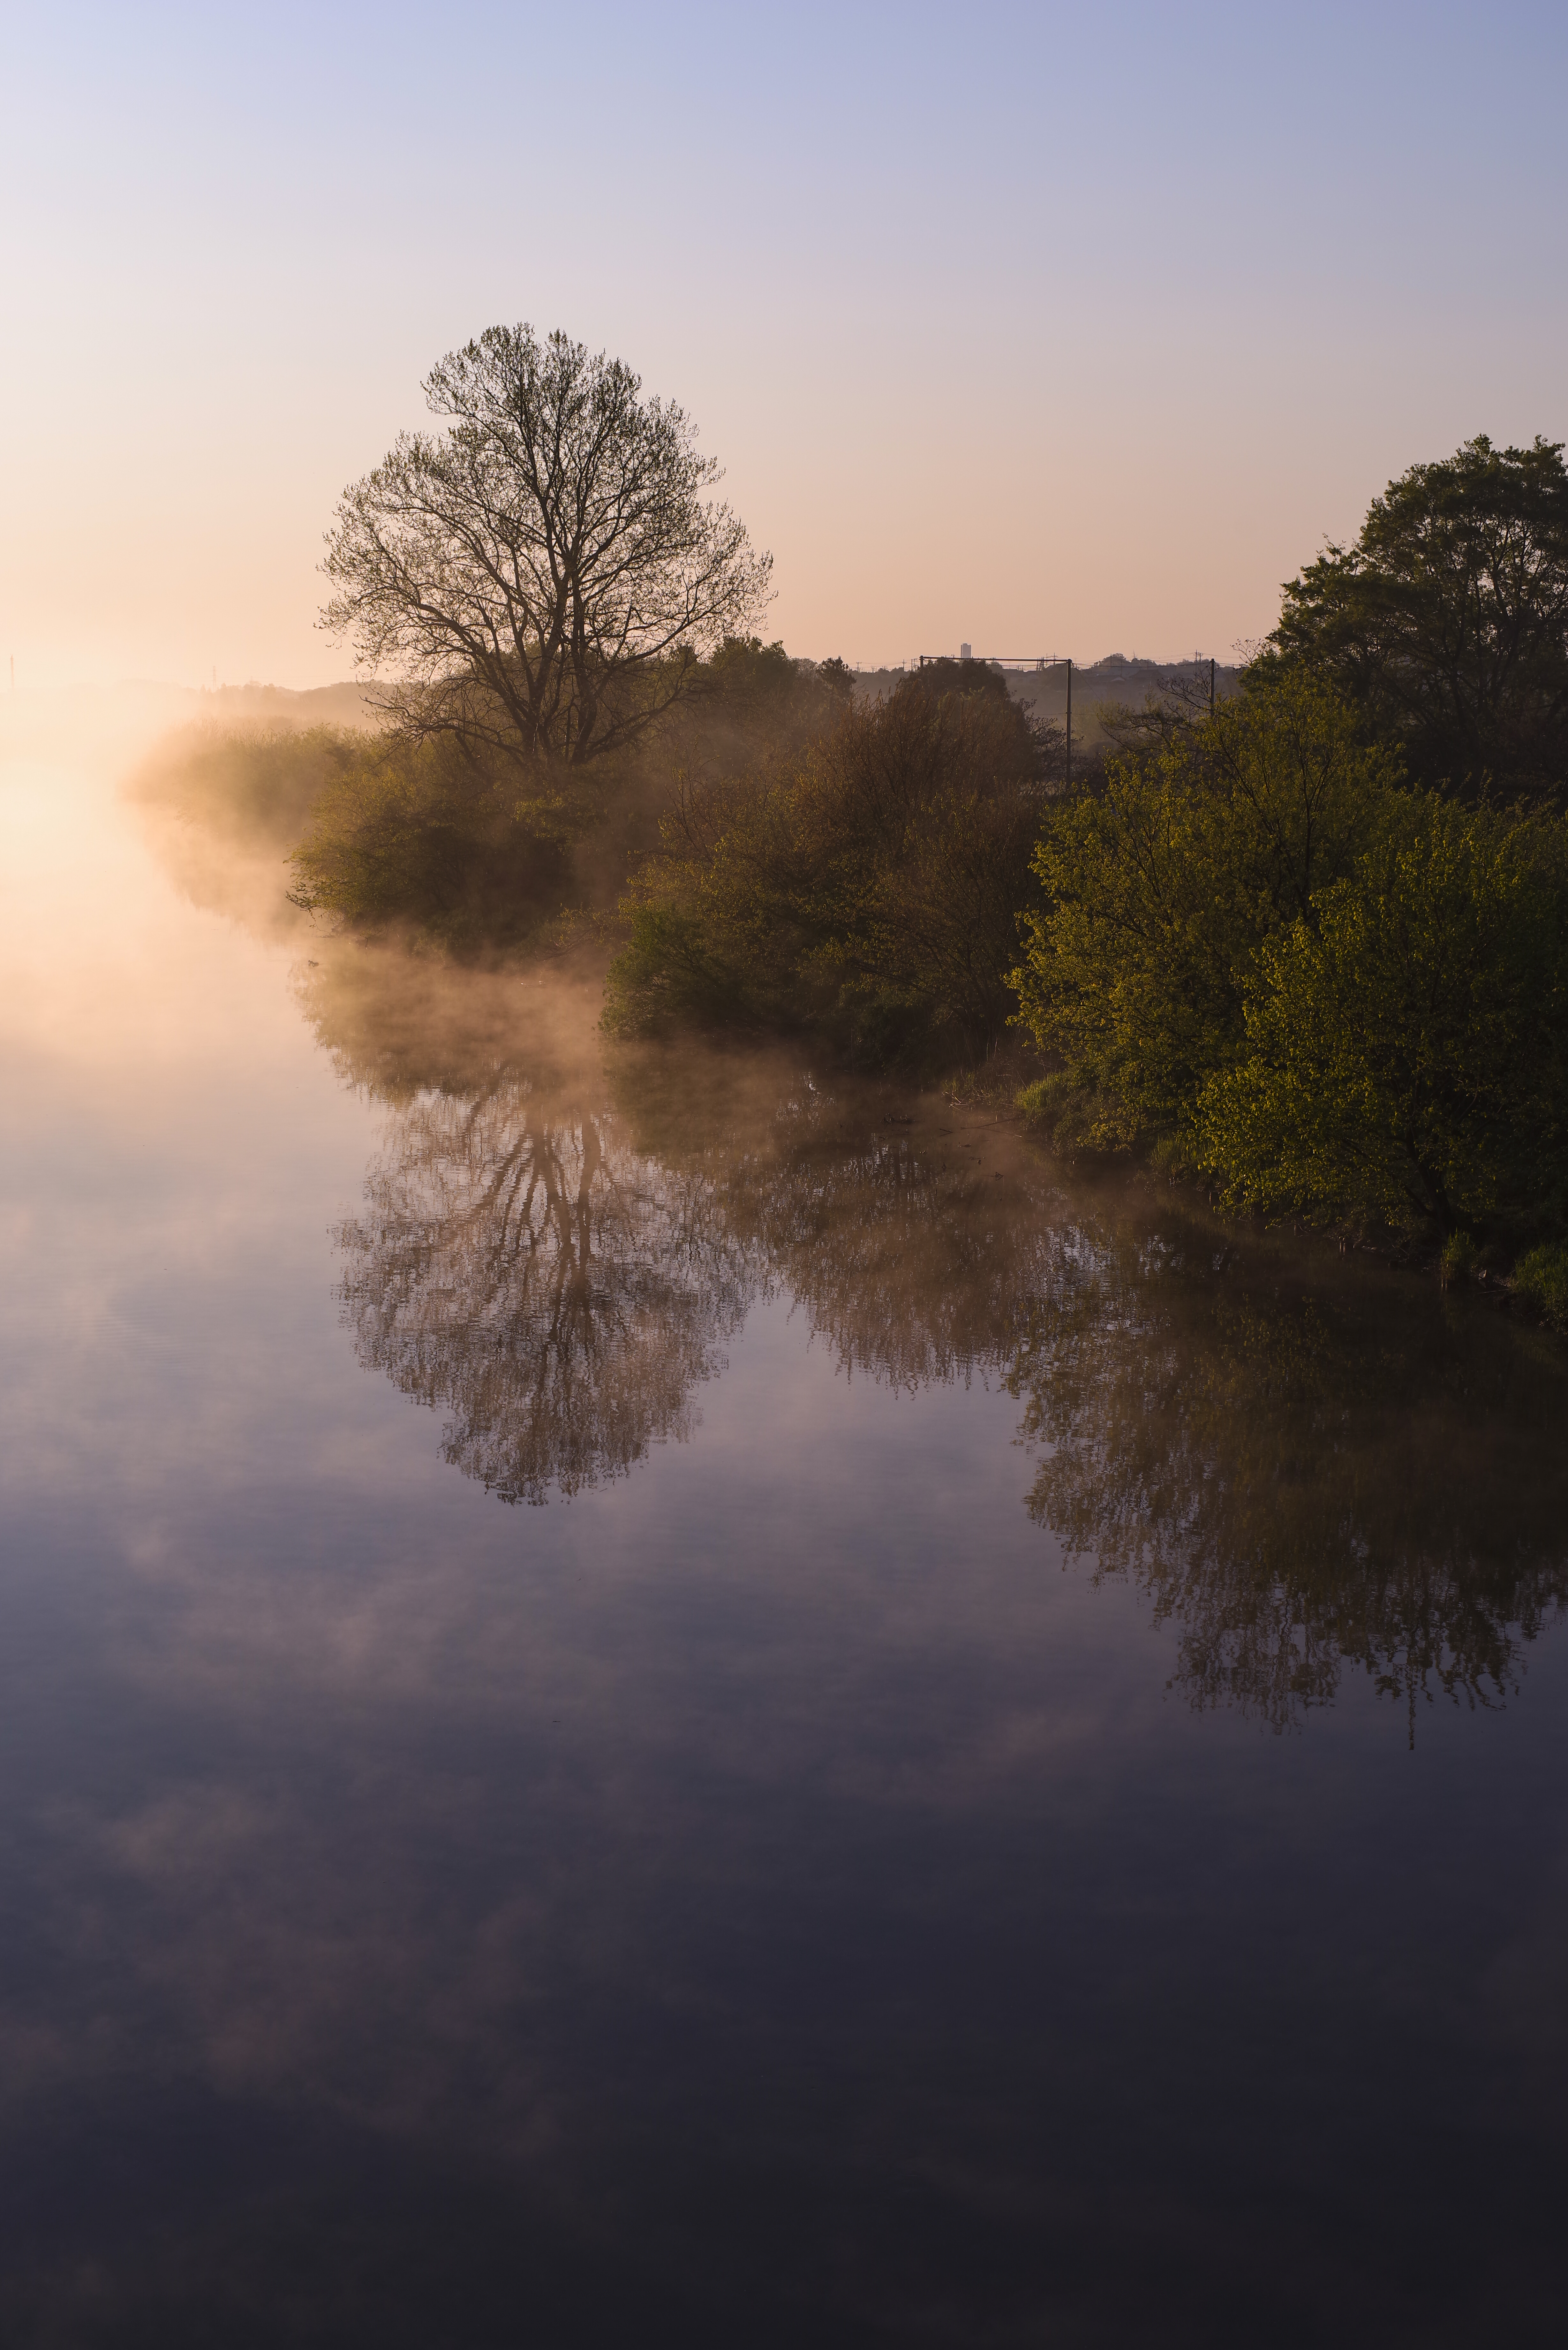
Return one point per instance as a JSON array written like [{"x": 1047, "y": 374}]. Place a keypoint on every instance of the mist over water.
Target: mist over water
[{"x": 668, "y": 1695}]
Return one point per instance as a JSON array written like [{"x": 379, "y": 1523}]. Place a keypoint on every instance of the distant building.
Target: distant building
[{"x": 964, "y": 653}]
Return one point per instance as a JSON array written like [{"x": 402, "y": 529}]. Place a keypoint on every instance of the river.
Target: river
[{"x": 662, "y": 1696}]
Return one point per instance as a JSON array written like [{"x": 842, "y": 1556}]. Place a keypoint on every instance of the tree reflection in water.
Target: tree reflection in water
[
  {"x": 1301, "y": 1469},
  {"x": 1299, "y": 1482},
  {"x": 912, "y": 1241},
  {"x": 559, "y": 1296},
  {"x": 559, "y": 1282}
]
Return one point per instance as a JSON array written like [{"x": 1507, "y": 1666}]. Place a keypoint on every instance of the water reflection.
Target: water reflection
[
  {"x": 1299, "y": 1477},
  {"x": 559, "y": 1281},
  {"x": 419, "y": 1911},
  {"x": 1300, "y": 1467},
  {"x": 909, "y": 1236},
  {"x": 557, "y": 1294}
]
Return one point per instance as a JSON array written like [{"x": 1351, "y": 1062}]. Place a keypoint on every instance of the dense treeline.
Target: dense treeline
[
  {"x": 1309, "y": 943},
  {"x": 868, "y": 889},
  {"x": 427, "y": 830},
  {"x": 1301, "y": 944},
  {"x": 1263, "y": 957},
  {"x": 1315, "y": 946}
]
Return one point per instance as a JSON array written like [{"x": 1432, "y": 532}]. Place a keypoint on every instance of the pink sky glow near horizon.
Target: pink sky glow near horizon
[{"x": 1037, "y": 328}]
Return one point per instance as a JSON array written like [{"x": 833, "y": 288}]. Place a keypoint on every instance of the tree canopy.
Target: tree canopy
[
  {"x": 1259, "y": 954},
  {"x": 1406, "y": 1034},
  {"x": 1159, "y": 891},
  {"x": 540, "y": 578},
  {"x": 1446, "y": 625},
  {"x": 868, "y": 888}
]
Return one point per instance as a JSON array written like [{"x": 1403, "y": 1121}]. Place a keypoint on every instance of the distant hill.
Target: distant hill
[
  {"x": 121, "y": 721},
  {"x": 316, "y": 705}
]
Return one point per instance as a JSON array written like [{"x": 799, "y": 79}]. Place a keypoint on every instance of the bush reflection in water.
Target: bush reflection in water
[
  {"x": 1301, "y": 1467},
  {"x": 1299, "y": 1477}
]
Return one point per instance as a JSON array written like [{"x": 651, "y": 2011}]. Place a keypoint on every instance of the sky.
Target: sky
[{"x": 1055, "y": 331}]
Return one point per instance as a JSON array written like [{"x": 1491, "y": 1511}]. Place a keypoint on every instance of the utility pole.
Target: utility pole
[
  {"x": 1211, "y": 685},
  {"x": 1069, "y": 722}
]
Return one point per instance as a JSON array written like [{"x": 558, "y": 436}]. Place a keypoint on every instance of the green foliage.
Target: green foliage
[
  {"x": 1161, "y": 892},
  {"x": 1541, "y": 1277},
  {"x": 1405, "y": 1034},
  {"x": 1446, "y": 625},
  {"x": 451, "y": 840},
  {"x": 418, "y": 832},
  {"x": 1456, "y": 1259},
  {"x": 751, "y": 675},
  {"x": 869, "y": 891}
]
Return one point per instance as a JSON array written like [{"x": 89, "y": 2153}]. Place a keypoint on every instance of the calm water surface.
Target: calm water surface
[{"x": 658, "y": 1697}]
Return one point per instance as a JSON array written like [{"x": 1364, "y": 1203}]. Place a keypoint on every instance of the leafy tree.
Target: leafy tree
[
  {"x": 1406, "y": 1043},
  {"x": 750, "y": 702},
  {"x": 543, "y": 576},
  {"x": 835, "y": 677},
  {"x": 1160, "y": 891},
  {"x": 751, "y": 676},
  {"x": 870, "y": 890},
  {"x": 934, "y": 679},
  {"x": 413, "y": 833},
  {"x": 1446, "y": 625}
]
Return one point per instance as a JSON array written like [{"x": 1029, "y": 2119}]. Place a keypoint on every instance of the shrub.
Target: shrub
[
  {"x": 1541, "y": 1278},
  {"x": 869, "y": 891},
  {"x": 1456, "y": 1259},
  {"x": 1058, "y": 1107},
  {"x": 419, "y": 833},
  {"x": 1160, "y": 892},
  {"x": 1404, "y": 1057}
]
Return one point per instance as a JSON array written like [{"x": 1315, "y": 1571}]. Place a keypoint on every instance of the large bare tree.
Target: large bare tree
[{"x": 540, "y": 578}]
